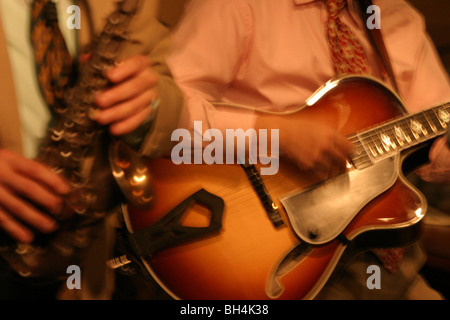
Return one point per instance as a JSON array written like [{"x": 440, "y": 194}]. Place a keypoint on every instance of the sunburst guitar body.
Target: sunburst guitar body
[{"x": 210, "y": 235}]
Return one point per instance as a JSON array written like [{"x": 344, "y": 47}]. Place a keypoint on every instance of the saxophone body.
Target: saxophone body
[{"x": 76, "y": 147}]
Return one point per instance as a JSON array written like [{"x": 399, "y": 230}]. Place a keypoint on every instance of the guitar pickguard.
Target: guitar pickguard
[{"x": 319, "y": 214}]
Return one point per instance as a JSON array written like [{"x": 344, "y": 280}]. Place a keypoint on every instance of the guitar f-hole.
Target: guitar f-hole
[{"x": 171, "y": 230}]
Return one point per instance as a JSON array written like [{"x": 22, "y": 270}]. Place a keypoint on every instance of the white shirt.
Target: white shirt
[{"x": 33, "y": 111}]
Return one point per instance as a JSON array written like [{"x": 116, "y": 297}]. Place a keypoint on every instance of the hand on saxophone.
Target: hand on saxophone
[
  {"x": 28, "y": 191},
  {"x": 126, "y": 105}
]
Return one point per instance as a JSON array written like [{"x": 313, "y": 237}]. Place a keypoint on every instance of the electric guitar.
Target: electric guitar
[{"x": 226, "y": 232}]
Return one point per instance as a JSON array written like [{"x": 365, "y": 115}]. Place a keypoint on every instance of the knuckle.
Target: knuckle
[
  {"x": 31, "y": 168},
  {"x": 150, "y": 77},
  {"x": 4, "y": 218},
  {"x": 18, "y": 207}
]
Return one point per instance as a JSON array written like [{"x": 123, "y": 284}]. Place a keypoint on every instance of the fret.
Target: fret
[
  {"x": 379, "y": 149},
  {"x": 434, "y": 115},
  {"x": 430, "y": 121},
  {"x": 386, "y": 136},
  {"x": 416, "y": 128},
  {"x": 369, "y": 145},
  {"x": 443, "y": 117},
  {"x": 400, "y": 135},
  {"x": 428, "y": 116},
  {"x": 361, "y": 162},
  {"x": 424, "y": 124},
  {"x": 359, "y": 153},
  {"x": 372, "y": 144},
  {"x": 385, "y": 142},
  {"x": 408, "y": 127},
  {"x": 360, "y": 159},
  {"x": 390, "y": 138}
]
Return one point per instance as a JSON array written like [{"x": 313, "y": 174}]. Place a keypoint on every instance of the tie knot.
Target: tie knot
[
  {"x": 46, "y": 9},
  {"x": 335, "y": 6}
]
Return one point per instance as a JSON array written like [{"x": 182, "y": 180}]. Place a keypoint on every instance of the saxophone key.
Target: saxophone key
[
  {"x": 67, "y": 154},
  {"x": 63, "y": 250},
  {"x": 116, "y": 18}
]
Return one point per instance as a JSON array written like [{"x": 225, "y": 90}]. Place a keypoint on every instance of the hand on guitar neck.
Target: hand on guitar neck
[
  {"x": 26, "y": 186},
  {"x": 438, "y": 170}
]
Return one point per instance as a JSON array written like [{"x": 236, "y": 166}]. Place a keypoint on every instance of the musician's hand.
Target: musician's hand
[
  {"x": 26, "y": 186},
  {"x": 126, "y": 105},
  {"x": 314, "y": 147},
  {"x": 438, "y": 169}
]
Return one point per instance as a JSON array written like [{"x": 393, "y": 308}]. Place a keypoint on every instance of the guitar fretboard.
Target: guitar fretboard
[{"x": 392, "y": 137}]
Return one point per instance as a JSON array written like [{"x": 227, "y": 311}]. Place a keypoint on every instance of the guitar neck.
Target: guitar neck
[{"x": 390, "y": 138}]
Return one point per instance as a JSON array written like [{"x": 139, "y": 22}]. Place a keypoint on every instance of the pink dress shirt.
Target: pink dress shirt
[{"x": 274, "y": 54}]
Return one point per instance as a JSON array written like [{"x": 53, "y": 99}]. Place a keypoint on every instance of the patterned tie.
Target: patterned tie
[
  {"x": 52, "y": 58},
  {"x": 348, "y": 57},
  {"x": 347, "y": 53}
]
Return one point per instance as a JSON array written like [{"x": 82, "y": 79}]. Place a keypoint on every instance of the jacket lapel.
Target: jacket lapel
[{"x": 10, "y": 134}]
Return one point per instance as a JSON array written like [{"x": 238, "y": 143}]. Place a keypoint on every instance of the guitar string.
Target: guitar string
[
  {"x": 402, "y": 123},
  {"x": 388, "y": 130},
  {"x": 433, "y": 119}
]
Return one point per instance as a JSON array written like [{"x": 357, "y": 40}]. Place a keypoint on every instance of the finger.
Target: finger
[
  {"x": 23, "y": 211},
  {"x": 131, "y": 123},
  {"x": 123, "y": 111},
  {"x": 344, "y": 146},
  {"x": 17, "y": 231},
  {"x": 127, "y": 68},
  {"x": 85, "y": 57},
  {"x": 45, "y": 176},
  {"x": 340, "y": 153},
  {"x": 336, "y": 156},
  {"x": 126, "y": 90},
  {"x": 37, "y": 172},
  {"x": 36, "y": 194}
]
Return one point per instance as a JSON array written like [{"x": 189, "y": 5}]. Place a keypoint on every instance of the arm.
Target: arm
[
  {"x": 206, "y": 63},
  {"x": 206, "y": 57}
]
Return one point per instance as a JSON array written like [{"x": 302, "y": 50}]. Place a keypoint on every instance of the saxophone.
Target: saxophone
[{"x": 76, "y": 147}]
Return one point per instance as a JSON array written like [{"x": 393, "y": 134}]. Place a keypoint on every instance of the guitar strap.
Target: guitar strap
[{"x": 376, "y": 39}]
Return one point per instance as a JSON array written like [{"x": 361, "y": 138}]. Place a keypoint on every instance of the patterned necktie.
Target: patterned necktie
[
  {"x": 347, "y": 53},
  {"x": 52, "y": 58},
  {"x": 348, "y": 57}
]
